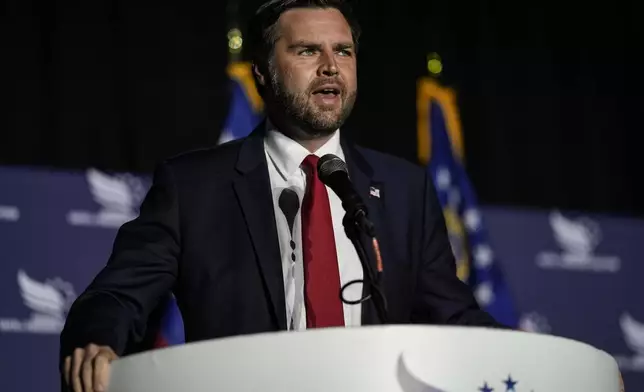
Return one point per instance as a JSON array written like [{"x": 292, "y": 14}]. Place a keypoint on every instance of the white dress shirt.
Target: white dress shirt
[{"x": 284, "y": 157}]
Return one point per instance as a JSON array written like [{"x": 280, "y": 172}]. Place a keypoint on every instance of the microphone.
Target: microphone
[
  {"x": 289, "y": 203},
  {"x": 333, "y": 172}
]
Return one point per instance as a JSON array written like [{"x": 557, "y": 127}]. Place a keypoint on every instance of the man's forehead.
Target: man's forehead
[{"x": 314, "y": 23}]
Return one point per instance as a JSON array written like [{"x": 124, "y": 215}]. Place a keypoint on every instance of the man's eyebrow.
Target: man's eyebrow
[
  {"x": 312, "y": 45},
  {"x": 304, "y": 44},
  {"x": 343, "y": 45}
]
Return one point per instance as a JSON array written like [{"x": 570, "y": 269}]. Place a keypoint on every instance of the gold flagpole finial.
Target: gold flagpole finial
[
  {"x": 434, "y": 64},
  {"x": 235, "y": 41}
]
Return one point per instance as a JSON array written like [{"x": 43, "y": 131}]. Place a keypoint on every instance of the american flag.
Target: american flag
[{"x": 441, "y": 149}]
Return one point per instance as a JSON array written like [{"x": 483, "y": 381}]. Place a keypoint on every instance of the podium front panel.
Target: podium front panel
[{"x": 390, "y": 358}]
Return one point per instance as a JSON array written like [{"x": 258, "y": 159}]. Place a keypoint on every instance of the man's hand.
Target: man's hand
[{"x": 88, "y": 369}]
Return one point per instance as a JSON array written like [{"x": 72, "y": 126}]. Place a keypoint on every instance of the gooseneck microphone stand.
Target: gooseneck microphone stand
[
  {"x": 333, "y": 172},
  {"x": 355, "y": 226}
]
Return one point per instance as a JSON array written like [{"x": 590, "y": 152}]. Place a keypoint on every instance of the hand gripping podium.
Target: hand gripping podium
[{"x": 383, "y": 358}]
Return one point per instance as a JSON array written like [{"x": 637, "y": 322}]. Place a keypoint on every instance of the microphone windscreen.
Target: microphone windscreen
[{"x": 329, "y": 164}]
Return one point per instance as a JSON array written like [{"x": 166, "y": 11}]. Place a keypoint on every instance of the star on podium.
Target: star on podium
[
  {"x": 509, "y": 384},
  {"x": 486, "y": 388}
]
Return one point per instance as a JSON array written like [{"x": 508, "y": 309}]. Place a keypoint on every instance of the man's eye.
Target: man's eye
[
  {"x": 306, "y": 52},
  {"x": 345, "y": 52}
]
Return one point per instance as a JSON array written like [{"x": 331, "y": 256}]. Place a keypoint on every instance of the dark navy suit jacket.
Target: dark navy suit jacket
[{"x": 206, "y": 231}]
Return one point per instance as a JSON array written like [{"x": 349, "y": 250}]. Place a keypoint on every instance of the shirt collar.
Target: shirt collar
[{"x": 287, "y": 154}]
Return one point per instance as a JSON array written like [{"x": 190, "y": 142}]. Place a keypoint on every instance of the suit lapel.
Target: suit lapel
[
  {"x": 371, "y": 190},
  {"x": 253, "y": 191}
]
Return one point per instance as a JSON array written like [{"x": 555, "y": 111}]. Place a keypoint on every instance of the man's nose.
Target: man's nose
[{"x": 328, "y": 66}]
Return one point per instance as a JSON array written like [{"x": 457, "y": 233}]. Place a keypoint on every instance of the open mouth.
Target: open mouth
[{"x": 328, "y": 91}]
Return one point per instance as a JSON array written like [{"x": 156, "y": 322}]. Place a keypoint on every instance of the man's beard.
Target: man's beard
[{"x": 310, "y": 119}]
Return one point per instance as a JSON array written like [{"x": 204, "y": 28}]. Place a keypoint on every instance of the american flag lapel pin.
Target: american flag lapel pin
[{"x": 375, "y": 192}]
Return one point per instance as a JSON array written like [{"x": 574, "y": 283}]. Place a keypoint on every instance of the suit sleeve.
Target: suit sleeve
[
  {"x": 442, "y": 298},
  {"x": 143, "y": 266}
]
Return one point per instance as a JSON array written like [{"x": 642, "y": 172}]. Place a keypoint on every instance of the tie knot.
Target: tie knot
[{"x": 311, "y": 163}]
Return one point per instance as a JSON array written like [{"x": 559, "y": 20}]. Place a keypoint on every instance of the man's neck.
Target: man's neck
[{"x": 311, "y": 143}]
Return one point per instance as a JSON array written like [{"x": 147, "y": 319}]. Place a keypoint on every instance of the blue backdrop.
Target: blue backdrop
[{"x": 569, "y": 274}]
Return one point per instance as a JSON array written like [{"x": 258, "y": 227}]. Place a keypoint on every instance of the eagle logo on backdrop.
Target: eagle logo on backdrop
[
  {"x": 410, "y": 383},
  {"x": 119, "y": 197},
  {"x": 633, "y": 332},
  {"x": 48, "y": 301},
  {"x": 534, "y": 322},
  {"x": 9, "y": 213},
  {"x": 578, "y": 239}
]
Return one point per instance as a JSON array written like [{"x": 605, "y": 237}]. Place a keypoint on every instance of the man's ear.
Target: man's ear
[{"x": 259, "y": 76}]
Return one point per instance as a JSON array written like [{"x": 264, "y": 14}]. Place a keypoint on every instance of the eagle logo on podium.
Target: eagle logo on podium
[{"x": 410, "y": 383}]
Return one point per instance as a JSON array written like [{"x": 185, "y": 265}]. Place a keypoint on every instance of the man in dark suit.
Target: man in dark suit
[{"x": 215, "y": 228}]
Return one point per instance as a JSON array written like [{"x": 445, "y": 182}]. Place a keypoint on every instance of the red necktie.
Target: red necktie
[{"x": 321, "y": 274}]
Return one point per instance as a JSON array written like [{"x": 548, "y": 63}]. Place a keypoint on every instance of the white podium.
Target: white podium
[{"x": 389, "y": 358}]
